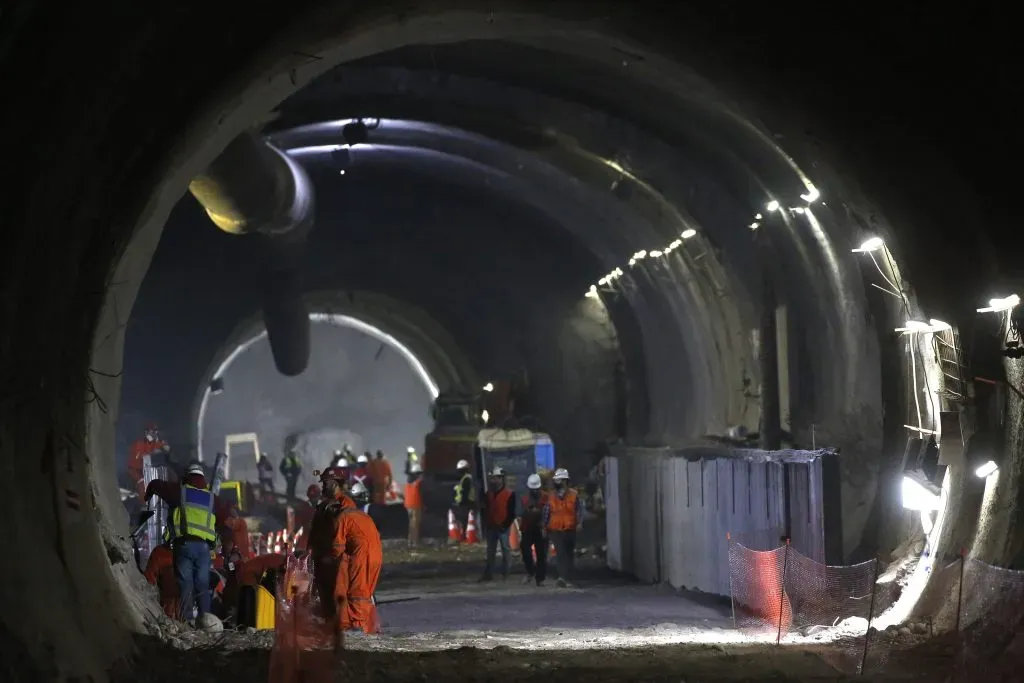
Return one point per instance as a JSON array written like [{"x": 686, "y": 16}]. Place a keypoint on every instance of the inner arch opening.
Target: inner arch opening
[{"x": 320, "y": 365}]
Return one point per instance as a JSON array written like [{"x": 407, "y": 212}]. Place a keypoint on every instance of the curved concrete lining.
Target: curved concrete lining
[{"x": 74, "y": 264}]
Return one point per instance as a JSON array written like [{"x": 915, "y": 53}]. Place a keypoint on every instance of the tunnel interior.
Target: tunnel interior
[{"x": 614, "y": 227}]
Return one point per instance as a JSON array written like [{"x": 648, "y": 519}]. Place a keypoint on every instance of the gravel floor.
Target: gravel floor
[{"x": 606, "y": 629}]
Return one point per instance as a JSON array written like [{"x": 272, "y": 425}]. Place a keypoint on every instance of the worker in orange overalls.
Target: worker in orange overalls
[
  {"x": 304, "y": 515},
  {"x": 320, "y": 542},
  {"x": 380, "y": 478},
  {"x": 235, "y": 525},
  {"x": 563, "y": 518},
  {"x": 414, "y": 502},
  {"x": 360, "y": 554},
  {"x": 149, "y": 444},
  {"x": 160, "y": 573}
]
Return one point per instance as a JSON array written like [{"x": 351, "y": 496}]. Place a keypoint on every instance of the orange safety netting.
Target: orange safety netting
[{"x": 303, "y": 645}]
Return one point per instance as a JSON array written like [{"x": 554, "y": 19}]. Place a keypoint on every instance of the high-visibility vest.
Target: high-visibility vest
[
  {"x": 194, "y": 516},
  {"x": 458, "y": 489},
  {"x": 563, "y": 511}
]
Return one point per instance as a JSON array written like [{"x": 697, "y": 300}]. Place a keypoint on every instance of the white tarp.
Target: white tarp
[{"x": 506, "y": 439}]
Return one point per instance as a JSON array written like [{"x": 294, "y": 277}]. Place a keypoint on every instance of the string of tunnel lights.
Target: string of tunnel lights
[
  {"x": 1003, "y": 306},
  {"x": 608, "y": 280}
]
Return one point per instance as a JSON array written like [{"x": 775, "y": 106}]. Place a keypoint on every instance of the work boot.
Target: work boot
[
  {"x": 562, "y": 583},
  {"x": 540, "y": 584},
  {"x": 527, "y": 579},
  {"x": 485, "y": 578}
]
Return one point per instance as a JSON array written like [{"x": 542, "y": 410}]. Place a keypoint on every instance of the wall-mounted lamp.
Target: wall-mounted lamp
[
  {"x": 488, "y": 387},
  {"x": 1001, "y": 305},
  {"x": 919, "y": 493},
  {"x": 873, "y": 244},
  {"x": 485, "y": 416},
  {"x": 986, "y": 469},
  {"x": 217, "y": 386}
]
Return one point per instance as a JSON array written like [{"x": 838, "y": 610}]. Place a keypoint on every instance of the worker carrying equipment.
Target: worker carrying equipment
[
  {"x": 192, "y": 534},
  {"x": 563, "y": 518},
  {"x": 359, "y": 554},
  {"x": 499, "y": 516}
]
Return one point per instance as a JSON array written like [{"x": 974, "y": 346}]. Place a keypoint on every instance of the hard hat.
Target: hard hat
[
  {"x": 462, "y": 465},
  {"x": 358, "y": 489},
  {"x": 415, "y": 468},
  {"x": 337, "y": 452},
  {"x": 362, "y": 460},
  {"x": 332, "y": 473},
  {"x": 497, "y": 472},
  {"x": 313, "y": 491},
  {"x": 533, "y": 482},
  {"x": 196, "y": 469},
  {"x": 561, "y": 474},
  {"x": 410, "y": 450}
]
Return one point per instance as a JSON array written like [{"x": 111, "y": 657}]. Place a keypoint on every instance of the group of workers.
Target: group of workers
[
  {"x": 541, "y": 516},
  {"x": 343, "y": 543}
]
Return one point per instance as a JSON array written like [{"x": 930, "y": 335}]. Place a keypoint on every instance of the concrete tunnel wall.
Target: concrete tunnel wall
[{"x": 70, "y": 616}]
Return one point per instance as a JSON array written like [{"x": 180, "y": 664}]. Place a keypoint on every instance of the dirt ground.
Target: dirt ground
[{"x": 607, "y": 630}]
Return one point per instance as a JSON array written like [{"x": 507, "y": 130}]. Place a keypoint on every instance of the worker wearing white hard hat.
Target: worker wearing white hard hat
[
  {"x": 533, "y": 536},
  {"x": 463, "y": 498},
  {"x": 563, "y": 519},
  {"x": 499, "y": 516},
  {"x": 413, "y": 501},
  {"x": 360, "y": 493}
]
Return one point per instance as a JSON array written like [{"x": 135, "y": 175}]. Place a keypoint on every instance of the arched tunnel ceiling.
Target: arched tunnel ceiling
[
  {"x": 866, "y": 115},
  {"x": 412, "y": 328}
]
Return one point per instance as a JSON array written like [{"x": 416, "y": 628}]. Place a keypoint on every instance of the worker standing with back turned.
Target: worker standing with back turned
[
  {"x": 534, "y": 537},
  {"x": 500, "y": 514},
  {"x": 563, "y": 518},
  {"x": 380, "y": 478},
  {"x": 291, "y": 470},
  {"x": 193, "y": 534}
]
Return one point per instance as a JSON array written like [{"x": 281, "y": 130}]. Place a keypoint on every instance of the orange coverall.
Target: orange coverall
[
  {"x": 140, "y": 449},
  {"x": 380, "y": 479},
  {"x": 320, "y": 544},
  {"x": 160, "y": 573},
  {"x": 361, "y": 555}
]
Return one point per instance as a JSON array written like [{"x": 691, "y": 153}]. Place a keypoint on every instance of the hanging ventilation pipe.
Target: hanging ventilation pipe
[{"x": 253, "y": 188}]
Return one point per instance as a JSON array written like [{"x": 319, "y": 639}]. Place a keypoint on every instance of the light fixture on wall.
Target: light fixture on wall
[
  {"x": 1001, "y": 305},
  {"x": 986, "y": 469},
  {"x": 871, "y": 244},
  {"x": 485, "y": 416},
  {"x": 217, "y": 386},
  {"x": 919, "y": 493},
  {"x": 488, "y": 387}
]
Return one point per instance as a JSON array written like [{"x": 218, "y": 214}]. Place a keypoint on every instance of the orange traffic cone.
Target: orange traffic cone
[
  {"x": 513, "y": 536},
  {"x": 454, "y": 534},
  {"x": 471, "y": 534}
]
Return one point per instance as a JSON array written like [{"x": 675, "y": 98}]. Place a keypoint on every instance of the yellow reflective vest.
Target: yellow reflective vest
[
  {"x": 194, "y": 516},
  {"x": 461, "y": 485}
]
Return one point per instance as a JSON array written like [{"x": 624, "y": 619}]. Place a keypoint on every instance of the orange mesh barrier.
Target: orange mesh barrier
[{"x": 303, "y": 645}]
